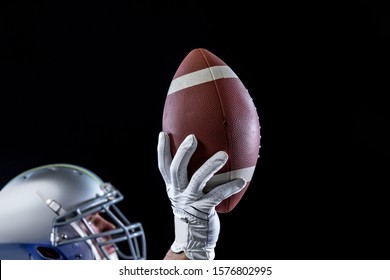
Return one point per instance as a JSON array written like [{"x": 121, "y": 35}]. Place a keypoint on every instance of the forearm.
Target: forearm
[{"x": 175, "y": 256}]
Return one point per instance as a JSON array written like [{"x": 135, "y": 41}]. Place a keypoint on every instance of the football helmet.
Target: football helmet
[{"x": 45, "y": 213}]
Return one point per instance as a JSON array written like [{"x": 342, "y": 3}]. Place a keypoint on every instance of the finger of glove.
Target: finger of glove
[
  {"x": 164, "y": 156},
  {"x": 219, "y": 193},
  {"x": 204, "y": 173},
  {"x": 179, "y": 175}
]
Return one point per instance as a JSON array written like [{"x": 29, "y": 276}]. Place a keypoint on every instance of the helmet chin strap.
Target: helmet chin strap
[{"x": 95, "y": 251}]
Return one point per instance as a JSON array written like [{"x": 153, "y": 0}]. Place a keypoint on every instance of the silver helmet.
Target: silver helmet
[{"x": 45, "y": 213}]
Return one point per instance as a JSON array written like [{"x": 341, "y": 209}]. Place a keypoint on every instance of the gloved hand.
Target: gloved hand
[{"x": 197, "y": 224}]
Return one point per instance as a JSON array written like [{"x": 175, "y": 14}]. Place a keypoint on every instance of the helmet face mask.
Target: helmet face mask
[
  {"x": 102, "y": 243},
  {"x": 90, "y": 227}
]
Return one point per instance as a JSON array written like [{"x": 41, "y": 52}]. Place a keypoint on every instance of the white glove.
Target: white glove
[{"x": 196, "y": 221}]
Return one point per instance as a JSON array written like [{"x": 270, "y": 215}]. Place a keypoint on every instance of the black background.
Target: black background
[{"x": 84, "y": 82}]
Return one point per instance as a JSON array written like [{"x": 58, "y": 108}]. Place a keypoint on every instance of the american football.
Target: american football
[{"x": 207, "y": 99}]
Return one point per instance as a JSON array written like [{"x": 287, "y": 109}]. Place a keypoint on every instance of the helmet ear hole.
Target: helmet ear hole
[{"x": 48, "y": 253}]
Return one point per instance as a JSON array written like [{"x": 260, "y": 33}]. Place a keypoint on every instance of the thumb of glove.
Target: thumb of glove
[{"x": 210, "y": 200}]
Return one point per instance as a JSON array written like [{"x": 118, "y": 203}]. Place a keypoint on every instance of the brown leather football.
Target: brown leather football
[{"x": 207, "y": 99}]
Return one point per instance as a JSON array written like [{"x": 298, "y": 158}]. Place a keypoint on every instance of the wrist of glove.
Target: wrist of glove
[
  {"x": 196, "y": 237},
  {"x": 197, "y": 224}
]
